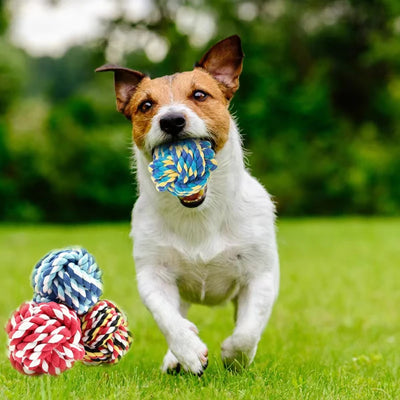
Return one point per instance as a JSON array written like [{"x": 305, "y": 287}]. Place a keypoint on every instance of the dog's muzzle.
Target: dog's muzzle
[{"x": 194, "y": 200}]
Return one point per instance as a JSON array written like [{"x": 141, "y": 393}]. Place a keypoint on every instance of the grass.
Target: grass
[{"x": 334, "y": 333}]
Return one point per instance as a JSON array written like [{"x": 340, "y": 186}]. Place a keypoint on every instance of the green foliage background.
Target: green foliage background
[{"x": 318, "y": 107}]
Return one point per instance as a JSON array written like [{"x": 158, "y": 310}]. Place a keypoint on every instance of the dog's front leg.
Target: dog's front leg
[
  {"x": 253, "y": 309},
  {"x": 170, "y": 363},
  {"x": 160, "y": 294}
]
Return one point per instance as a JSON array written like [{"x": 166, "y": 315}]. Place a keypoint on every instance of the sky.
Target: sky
[
  {"x": 43, "y": 28},
  {"x": 49, "y": 28}
]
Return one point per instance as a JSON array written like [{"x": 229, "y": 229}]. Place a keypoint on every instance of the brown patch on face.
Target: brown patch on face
[
  {"x": 179, "y": 89},
  {"x": 213, "y": 110},
  {"x": 155, "y": 91}
]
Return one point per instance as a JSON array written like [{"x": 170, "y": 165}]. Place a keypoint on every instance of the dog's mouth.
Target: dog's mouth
[
  {"x": 194, "y": 200},
  {"x": 172, "y": 141}
]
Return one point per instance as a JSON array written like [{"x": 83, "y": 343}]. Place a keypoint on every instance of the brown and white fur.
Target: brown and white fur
[{"x": 221, "y": 246}]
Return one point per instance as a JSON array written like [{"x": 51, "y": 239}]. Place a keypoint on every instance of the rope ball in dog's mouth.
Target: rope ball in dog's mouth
[{"x": 182, "y": 168}]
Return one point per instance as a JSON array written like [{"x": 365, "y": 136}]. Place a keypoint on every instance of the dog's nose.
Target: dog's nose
[{"x": 173, "y": 123}]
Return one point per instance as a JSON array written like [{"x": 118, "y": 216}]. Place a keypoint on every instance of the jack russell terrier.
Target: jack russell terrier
[{"x": 208, "y": 248}]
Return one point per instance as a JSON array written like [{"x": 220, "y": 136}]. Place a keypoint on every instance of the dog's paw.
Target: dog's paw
[
  {"x": 238, "y": 351},
  {"x": 187, "y": 351},
  {"x": 171, "y": 364}
]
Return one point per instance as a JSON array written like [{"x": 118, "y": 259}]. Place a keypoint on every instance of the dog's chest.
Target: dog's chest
[{"x": 207, "y": 277}]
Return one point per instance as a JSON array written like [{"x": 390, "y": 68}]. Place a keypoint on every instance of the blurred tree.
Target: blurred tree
[
  {"x": 3, "y": 18},
  {"x": 12, "y": 77},
  {"x": 319, "y": 106}
]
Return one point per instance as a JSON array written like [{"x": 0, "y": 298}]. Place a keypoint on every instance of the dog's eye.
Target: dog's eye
[
  {"x": 145, "y": 106},
  {"x": 199, "y": 95}
]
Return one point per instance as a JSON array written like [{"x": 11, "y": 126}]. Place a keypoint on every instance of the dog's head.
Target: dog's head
[
  {"x": 192, "y": 104},
  {"x": 187, "y": 104}
]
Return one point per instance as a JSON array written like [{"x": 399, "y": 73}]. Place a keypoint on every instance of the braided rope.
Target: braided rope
[
  {"x": 105, "y": 334},
  {"x": 182, "y": 168},
  {"x": 69, "y": 276},
  {"x": 44, "y": 338},
  {"x": 46, "y": 335}
]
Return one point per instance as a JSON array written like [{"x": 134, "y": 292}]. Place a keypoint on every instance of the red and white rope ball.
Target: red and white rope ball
[{"x": 44, "y": 338}]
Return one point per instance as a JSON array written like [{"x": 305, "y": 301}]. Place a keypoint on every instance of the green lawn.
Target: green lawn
[{"x": 334, "y": 332}]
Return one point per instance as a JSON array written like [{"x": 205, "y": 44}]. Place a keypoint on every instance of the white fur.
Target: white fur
[{"x": 225, "y": 249}]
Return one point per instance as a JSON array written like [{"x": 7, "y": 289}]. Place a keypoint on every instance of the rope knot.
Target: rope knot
[
  {"x": 69, "y": 276},
  {"x": 66, "y": 322},
  {"x": 105, "y": 334},
  {"x": 182, "y": 168},
  {"x": 44, "y": 338}
]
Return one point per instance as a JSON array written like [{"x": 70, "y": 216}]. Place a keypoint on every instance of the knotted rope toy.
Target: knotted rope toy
[
  {"x": 105, "y": 334},
  {"x": 69, "y": 276},
  {"x": 182, "y": 168},
  {"x": 45, "y": 336}
]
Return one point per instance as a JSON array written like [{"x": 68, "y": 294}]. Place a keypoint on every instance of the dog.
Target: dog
[{"x": 212, "y": 247}]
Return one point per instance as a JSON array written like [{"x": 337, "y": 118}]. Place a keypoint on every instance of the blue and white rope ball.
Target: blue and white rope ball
[
  {"x": 68, "y": 276},
  {"x": 183, "y": 167}
]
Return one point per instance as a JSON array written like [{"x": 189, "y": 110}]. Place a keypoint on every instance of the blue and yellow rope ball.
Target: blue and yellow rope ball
[{"x": 182, "y": 168}]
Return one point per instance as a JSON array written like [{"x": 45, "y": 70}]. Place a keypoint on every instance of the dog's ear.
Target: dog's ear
[
  {"x": 125, "y": 82},
  {"x": 224, "y": 61}
]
